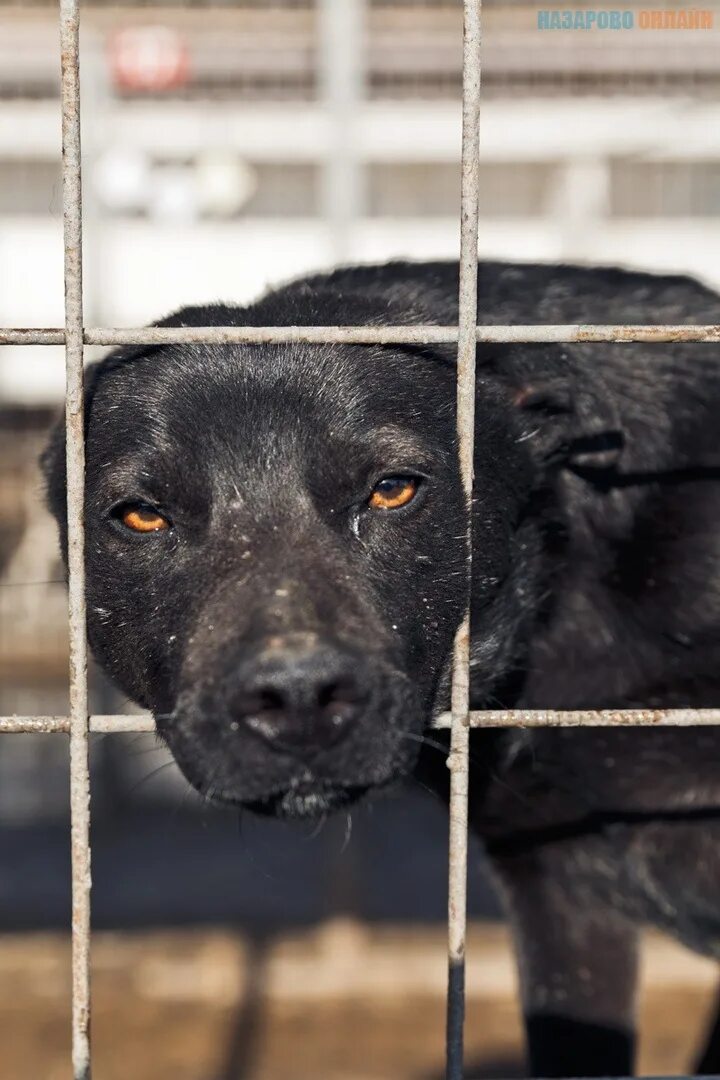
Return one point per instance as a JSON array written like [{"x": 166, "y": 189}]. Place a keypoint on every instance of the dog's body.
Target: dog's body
[{"x": 289, "y": 617}]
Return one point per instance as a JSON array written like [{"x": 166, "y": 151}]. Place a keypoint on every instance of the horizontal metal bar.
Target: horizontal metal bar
[
  {"x": 48, "y": 725},
  {"x": 31, "y": 336},
  {"x": 539, "y": 718},
  {"x": 529, "y": 718},
  {"x": 365, "y": 335}
]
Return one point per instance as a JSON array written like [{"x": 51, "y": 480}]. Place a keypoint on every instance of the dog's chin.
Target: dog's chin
[
  {"x": 296, "y": 802},
  {"x": 307, "y": 802}
]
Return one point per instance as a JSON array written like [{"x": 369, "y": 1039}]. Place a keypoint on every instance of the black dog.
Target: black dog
[{"x": 275, "y": 561}]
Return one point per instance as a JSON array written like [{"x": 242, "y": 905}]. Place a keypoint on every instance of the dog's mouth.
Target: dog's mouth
[
  {"x": 309, "y": 799},
  {"x": 309, "y": 802},
  {"x": 244, "y": 775}
]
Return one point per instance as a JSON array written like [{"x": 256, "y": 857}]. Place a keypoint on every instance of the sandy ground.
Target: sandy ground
[{"x": 340, "y": 1003}]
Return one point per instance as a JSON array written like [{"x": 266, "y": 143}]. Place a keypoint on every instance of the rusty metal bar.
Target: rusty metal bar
[
  {"x": 460, "y": 691},
  {"x": 75, "y": 454},
  {"x": 493, "y": 718},
  {"x": 368, "y": 335},
  {"x": 11, "y": 335},
  {"x": 50, "y": 725},
  {"x": 538, "y": 718}
]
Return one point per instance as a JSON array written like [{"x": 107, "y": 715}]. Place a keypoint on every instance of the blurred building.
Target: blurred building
[{"x": 231, "y": 146}]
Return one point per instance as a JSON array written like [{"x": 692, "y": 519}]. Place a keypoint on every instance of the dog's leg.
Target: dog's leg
[
  {"x": 709, "y": 1063},
  {"x": 577, "y": 961}
]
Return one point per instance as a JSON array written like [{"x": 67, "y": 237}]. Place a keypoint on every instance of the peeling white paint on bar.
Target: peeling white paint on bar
[
  {"x": 538, "y": 718},
  {"x": 74, "y": 400},
  {"x": 458, "y": 756},
  {"x": 123, "y": 724},
  {"x": 415, "y": 334}
]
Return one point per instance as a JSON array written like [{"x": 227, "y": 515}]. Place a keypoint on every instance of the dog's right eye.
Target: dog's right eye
[{"x": 141, "y": 518}]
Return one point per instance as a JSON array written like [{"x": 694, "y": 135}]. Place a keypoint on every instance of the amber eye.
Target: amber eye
[
  {"x": 143, "y": 519},
  {"x": 392, "y": 492}
]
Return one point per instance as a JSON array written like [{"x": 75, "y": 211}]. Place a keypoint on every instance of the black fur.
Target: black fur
[{"x": 596, "y": 583}]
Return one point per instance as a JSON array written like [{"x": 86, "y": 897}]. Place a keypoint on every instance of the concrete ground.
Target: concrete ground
[{"x": 339, "y": 1003}]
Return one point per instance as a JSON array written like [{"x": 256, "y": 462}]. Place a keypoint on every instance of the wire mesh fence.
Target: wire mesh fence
[{"x": 75, "y": 336}]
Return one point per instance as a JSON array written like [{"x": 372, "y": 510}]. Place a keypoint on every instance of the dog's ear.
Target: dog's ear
[
  {"x": 53, "y": 464},
  {"x": 566, "y": 411},
  {"x": 570, "y": 427},
  {"x": 52, "y": 459}
]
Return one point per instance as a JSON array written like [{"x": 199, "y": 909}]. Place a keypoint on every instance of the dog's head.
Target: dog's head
[{"x": 276, "y": 555}]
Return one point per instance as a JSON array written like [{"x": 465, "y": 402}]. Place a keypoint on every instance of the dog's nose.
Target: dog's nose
[{"x": 301, "y": 701}]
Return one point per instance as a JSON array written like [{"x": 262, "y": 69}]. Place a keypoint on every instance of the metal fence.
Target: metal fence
[{"x": 78, "y": 725}]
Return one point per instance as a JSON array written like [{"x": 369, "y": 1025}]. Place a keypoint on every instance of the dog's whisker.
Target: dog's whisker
[
  {"x": 319, "y": 827},
  {"x": 424, "y": 740},
  {"x": 425, "y": 787},
  {"x": 474, "y": 758},
  {"x": 144, "y": 750},
  {"x": 517, "y": 795},
  {"x": 150, "y": 775},
  {"x": 348, "y": 832},
  {"x": 187, "y": 792}
]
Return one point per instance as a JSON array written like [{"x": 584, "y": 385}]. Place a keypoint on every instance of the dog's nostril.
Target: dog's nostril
[
  {"x": 339, "y": 704},
  {"x": 267, "y": 701},
  {"x": 262, "y": 711},
  {"x": 338, "y": 697}
]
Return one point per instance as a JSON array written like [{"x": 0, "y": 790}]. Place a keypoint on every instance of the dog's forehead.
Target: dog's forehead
[{"x": 186, "y": 392}]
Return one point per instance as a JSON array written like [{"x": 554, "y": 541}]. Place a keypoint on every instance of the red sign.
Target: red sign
[{"x": 149, "y": 58}]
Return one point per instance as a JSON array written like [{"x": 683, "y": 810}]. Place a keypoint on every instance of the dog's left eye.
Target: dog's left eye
[
  {"x": 392, "y": 492},
  {"x": 141, "y": 518}
]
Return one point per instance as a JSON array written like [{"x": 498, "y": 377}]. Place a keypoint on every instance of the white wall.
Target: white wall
[{"x": 138, "y": 269}]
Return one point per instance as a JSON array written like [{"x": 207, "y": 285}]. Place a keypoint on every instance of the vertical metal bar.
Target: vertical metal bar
[
  {"x": 341, "y": 67},
  {"x": 460, "y": 696},
  {"x": 79, "y": 720}
]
